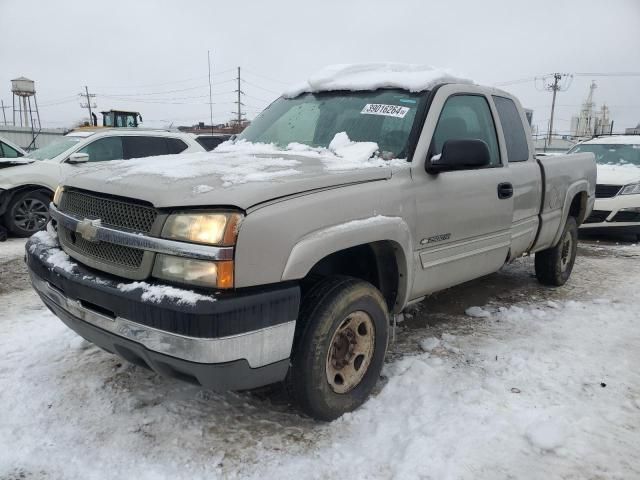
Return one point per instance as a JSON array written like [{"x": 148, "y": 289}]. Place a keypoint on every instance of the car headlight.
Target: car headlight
[
  {"x": 215, "y": 228},
  {"x": 58, "y": 195},
  {"x": 631, "y": 189}
]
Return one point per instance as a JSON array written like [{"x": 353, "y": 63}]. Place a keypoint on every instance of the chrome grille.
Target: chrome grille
[
  {"x": 112, "y": 212},
  {"x": 123, "y": 257}
]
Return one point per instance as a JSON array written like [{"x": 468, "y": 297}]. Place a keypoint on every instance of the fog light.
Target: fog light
[{"x": 194, "y": 272}]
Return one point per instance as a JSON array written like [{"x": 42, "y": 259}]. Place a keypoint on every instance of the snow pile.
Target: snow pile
[
  {"x": 371, "y": 76},
  {"x": 157, "y": 293},
  {"x": 233, "y": 168},
  {"x": 243, "y": 162}
]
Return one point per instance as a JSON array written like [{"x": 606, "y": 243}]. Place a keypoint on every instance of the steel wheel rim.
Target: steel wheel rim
[
  {"x": 565, "y": 253},
  {"x": 350, "y": 352},
  {"x": 31, "y": 214}
]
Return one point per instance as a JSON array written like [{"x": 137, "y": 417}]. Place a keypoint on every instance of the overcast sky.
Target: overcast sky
[{"x": 154, "y": 53}]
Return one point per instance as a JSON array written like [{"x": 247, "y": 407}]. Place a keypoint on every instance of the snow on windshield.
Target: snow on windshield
[{"x": 371, "y": 76}]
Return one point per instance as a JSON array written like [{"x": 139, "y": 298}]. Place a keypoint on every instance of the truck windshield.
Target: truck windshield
[
  {"x": 382, "y": 116},
  {"x": 55, "y": 149},
  {"x": 611, "y": 154}
]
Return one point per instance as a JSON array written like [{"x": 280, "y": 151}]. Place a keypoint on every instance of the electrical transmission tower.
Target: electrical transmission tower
[
  {"x": 556, "y": 82},
  {"x": 89, "y": 104},
  {"x": 239, "y": 104}
]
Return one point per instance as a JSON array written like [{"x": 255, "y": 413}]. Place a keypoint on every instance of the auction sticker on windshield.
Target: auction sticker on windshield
[{"x": 386, "y": 110}]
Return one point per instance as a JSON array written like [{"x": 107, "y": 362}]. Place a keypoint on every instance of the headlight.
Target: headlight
[
  {"x": 58, "y": 195},
  {"x": 631, "y": 189},
  {"x": 194, "y": 272},
  {"x": 210, "y": 228},
  {"x": 216, "y": 228}
]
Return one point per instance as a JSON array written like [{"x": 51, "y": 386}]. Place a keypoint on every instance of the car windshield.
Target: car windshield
[
  {"x": 611, "y": 154},
  {"x": 382, "y": 116},
  {"x": 55, "y": 149}
]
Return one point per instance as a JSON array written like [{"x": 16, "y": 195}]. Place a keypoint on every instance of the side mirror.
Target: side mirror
[
  {"x": 78, "y": 158},
  {"x": 460, "y": 155}
]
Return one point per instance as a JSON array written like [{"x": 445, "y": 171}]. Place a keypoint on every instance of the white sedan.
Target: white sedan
[{"x": 617, "y": 207}]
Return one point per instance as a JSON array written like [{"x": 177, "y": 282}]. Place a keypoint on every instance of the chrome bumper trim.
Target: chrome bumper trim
[
  {"x": 143, "y": 242},
  {"x": 259, "y": 347}
]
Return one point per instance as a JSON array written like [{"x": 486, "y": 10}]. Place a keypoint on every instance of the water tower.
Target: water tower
[{"x": 23, "y": 90}]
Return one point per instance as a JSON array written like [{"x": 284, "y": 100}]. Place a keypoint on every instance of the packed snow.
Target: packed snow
[
  {"x": 371, "y": 76},
  {"x": 547, "y": 387}
]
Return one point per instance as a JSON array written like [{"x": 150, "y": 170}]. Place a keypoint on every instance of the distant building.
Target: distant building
[
  {"x": 591, "y": 122},
  {"x": 633, "y": 130}
]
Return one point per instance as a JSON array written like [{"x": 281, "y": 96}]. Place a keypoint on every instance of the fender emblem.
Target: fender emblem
[
  {"x": 435, "y": 238},
  {"x": 88, "y": 229}
]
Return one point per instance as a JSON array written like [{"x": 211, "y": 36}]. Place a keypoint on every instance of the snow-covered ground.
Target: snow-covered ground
[{"x": 535, "y": 383}]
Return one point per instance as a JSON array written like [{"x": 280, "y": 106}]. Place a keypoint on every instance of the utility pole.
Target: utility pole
[
  {"x": 239, "y": 102},
  {"x": 210, "y": 101},
  {"x": 4, "y": 115},
  {"x": 88, "y": 96},
  {"x": 555, "y": 87}
]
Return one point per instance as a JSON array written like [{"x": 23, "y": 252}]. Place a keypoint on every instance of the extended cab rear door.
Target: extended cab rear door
[
  {"x": 526, "y": 176},
  {"x": 463, "y": 217}
]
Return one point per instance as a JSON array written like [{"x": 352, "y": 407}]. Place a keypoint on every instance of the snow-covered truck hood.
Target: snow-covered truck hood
[
  {"x": 240, "y": 175},
  {"x": 618, "y": 174}
]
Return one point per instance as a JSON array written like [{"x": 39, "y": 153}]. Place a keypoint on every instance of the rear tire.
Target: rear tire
[
  {"x": 27, "y": 213},
  {"x": 554, "y": 265},
  {"x": 339, "y": 353}
]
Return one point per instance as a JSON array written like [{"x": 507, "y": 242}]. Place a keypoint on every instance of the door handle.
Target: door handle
[{"x": 505, "y": 190}]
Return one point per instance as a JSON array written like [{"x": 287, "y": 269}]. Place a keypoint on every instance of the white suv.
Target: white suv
[
  {"x": 617, "y": 208},
  {"x": 26, "y": 187}
]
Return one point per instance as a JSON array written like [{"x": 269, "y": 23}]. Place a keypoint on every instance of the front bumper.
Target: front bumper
[
  {"x": 230, "y": 341},
  {"x": 620, "y": 214}
]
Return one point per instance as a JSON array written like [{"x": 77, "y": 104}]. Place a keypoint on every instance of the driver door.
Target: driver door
[{"x": 463, "y": 216}]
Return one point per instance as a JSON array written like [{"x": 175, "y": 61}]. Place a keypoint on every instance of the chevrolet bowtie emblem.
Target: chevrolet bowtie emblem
[{"x": 88, "y": 229}]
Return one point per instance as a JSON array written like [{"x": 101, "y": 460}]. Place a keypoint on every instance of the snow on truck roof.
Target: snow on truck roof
[{"x": 371, "y": 76}]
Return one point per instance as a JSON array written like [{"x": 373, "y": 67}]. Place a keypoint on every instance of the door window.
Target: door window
[
  {"x": 514, "y": 135},
  {"x": 175, "y": 145},
  {"x": 138, "y": 147},
  {"x": 467, "y": 117},
  {"x": 104, "y": 149},
  {"x": 8, "y": 152}
]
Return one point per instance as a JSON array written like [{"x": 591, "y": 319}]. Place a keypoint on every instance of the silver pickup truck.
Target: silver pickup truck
[{"x": 285, "y": 254}]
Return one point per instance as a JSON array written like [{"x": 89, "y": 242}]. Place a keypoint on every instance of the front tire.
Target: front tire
[
  {"x": 339, "y": 353},
  {"x": 554, "y": 265},
  {"x": 27, "y": 213}
]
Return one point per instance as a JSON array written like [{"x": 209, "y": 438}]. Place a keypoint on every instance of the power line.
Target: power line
[{"x": 260, "y": 87}]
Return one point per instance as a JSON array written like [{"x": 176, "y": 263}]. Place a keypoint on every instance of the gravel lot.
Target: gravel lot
[{"x": 537, "y": 383}]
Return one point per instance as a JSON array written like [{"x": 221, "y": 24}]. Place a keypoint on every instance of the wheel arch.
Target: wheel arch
[
  {"x": 376, "y": 251},
  {"x": 10, "y": 193}
]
